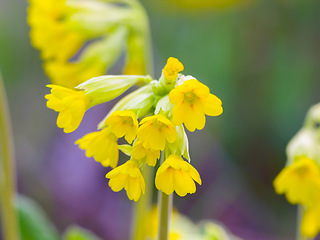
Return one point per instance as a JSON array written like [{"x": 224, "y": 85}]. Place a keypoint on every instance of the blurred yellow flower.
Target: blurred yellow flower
[
  {"x": 70, "y": 104},
  {"x": 155, "y": 131},
  {"x": 79, "y": 40},
  {"x": 129, "y": 177},
  {"x": 172, "y": 68},
  {"x": 139, "y": 152},
  {"x": 192, "y": 100},
  {"x": 177, "y": 175},
  {"x": 48, "y": 31},
  {"x": 299, "y": 181},
  {"x": 102, "y": 145},
  {"x": 123, "y": 123}
]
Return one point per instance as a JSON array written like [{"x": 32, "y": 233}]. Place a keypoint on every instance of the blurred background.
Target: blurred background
[{"x": 260, "y": 57}]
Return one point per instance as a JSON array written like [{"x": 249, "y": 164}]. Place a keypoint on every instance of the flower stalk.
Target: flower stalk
[
  {"x": 165, "y": 203},
  {"x": 7, "y": 167}
]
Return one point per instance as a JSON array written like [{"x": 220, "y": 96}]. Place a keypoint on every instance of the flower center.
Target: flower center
[
  {"x": 158, "y": 123},
  {"x": 190, "y": 97},
  {"x": 127, "y": 120}
]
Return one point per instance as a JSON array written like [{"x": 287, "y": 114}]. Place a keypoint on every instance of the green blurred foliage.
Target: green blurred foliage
[{"x": 34, "y": 225}]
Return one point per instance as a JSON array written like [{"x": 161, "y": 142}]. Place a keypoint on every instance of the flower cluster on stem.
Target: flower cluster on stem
[{"x": 166, "y": 107}]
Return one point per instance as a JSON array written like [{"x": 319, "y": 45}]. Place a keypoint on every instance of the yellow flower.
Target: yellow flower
[
  {"x": 139, "y": 152},
  {"x": 123, "y": 123},
  {"x": 102, "y": 145},
  {"x": 177, "y": 175},
  {"x": 155, "y": 131},
  {"x": 310, "y": 225},
  {"x": 299, "y": 181},
  {"x": 49, "y": 33},
  {"x": 192, "y": 100},
  {"x": 129, "y": 177},
  {"x": 70, "y": 104},
  {"x": 172, "y": 68}
]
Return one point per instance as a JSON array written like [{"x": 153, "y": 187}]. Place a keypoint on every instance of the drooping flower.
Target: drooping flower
[
  {"x": 155, "y": 131},
  {"x": 102, "y": 145},
  {"x": 123, "y": 123},
  {"x": 129, "y": 177},
  {"x": 70, "y": 104},
  {"x": 192, "y": 101},
  {"x": 172, "y": 68},
  {"x": 139, "y": 152},
  {"x": 177, "y": 175},
  {"x": 299, "y": 181}
]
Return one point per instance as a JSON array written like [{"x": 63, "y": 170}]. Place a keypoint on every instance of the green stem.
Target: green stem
[
  {"x": 299, "y": 235},
  {"x": 165, "y": 212},
  {"x": 165, "y": 203},
  {"x": 7, "y": 187},
  {"x": 144, "y": 205}
]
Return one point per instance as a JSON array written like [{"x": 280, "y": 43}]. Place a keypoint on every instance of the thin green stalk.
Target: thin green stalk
[
  {"x": 8, "y": 184},
  {"x": 144, "y": 205},
  {"x": 300, "y": 211},
  {"x": 165, "y": 212},
  {"x": 165, "y": 203}
]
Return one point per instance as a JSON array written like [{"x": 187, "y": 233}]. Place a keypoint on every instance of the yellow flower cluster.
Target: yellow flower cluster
[
  {"x": 78, "y": 40},
  {"x": 165, "y": 106}
]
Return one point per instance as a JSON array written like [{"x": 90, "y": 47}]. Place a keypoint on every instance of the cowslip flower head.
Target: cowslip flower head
[
  {"x": 123, "y": 123},
  {"x": 129, "y": 177},
  {"x": 299, "y": 181},
  {"x": 139, "y": 152},
  {"x": 102, "y": 145},
  {"x": 172, "y": 68},
  {"x": 70, "y": 104},
  {"x": 155, "y": 131},
  {"x": 177, "y": 175},
  {"x": 192, "y": 100}
]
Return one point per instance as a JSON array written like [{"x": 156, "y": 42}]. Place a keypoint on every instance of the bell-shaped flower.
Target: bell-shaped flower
[
  {"x": 140, "y": 153},
  {"x": 129, "y": 177},
  {"x": 155, "y": 131},
  {"x": 70, "y": 104},
  {"x": 192, "y": 100},
  {"x": 177, "y": 175},
  {"x": 123, "y": 123},
  {"x": 299, "y": 181},
  {"x": 102, "y": 145}
]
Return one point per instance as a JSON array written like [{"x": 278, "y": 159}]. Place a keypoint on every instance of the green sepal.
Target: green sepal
[
  {"x": 89, "y": 18},
  {"x": 105, "y": 88},
  {"x": 181, "y": 146},
  {"x": 106, "y": 50},
  {"x": 164, "y": 106},
  {"x": 141, "y": 102},
  {"x": 126, "y": 149},
  {"x": 34, "y": 225},
  {"x": 79, "y": 233}
]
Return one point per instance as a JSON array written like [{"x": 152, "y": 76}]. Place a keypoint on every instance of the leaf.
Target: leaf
[
  {"x": 79, "y": 233},
  {"x": 34, "y": 225}
]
